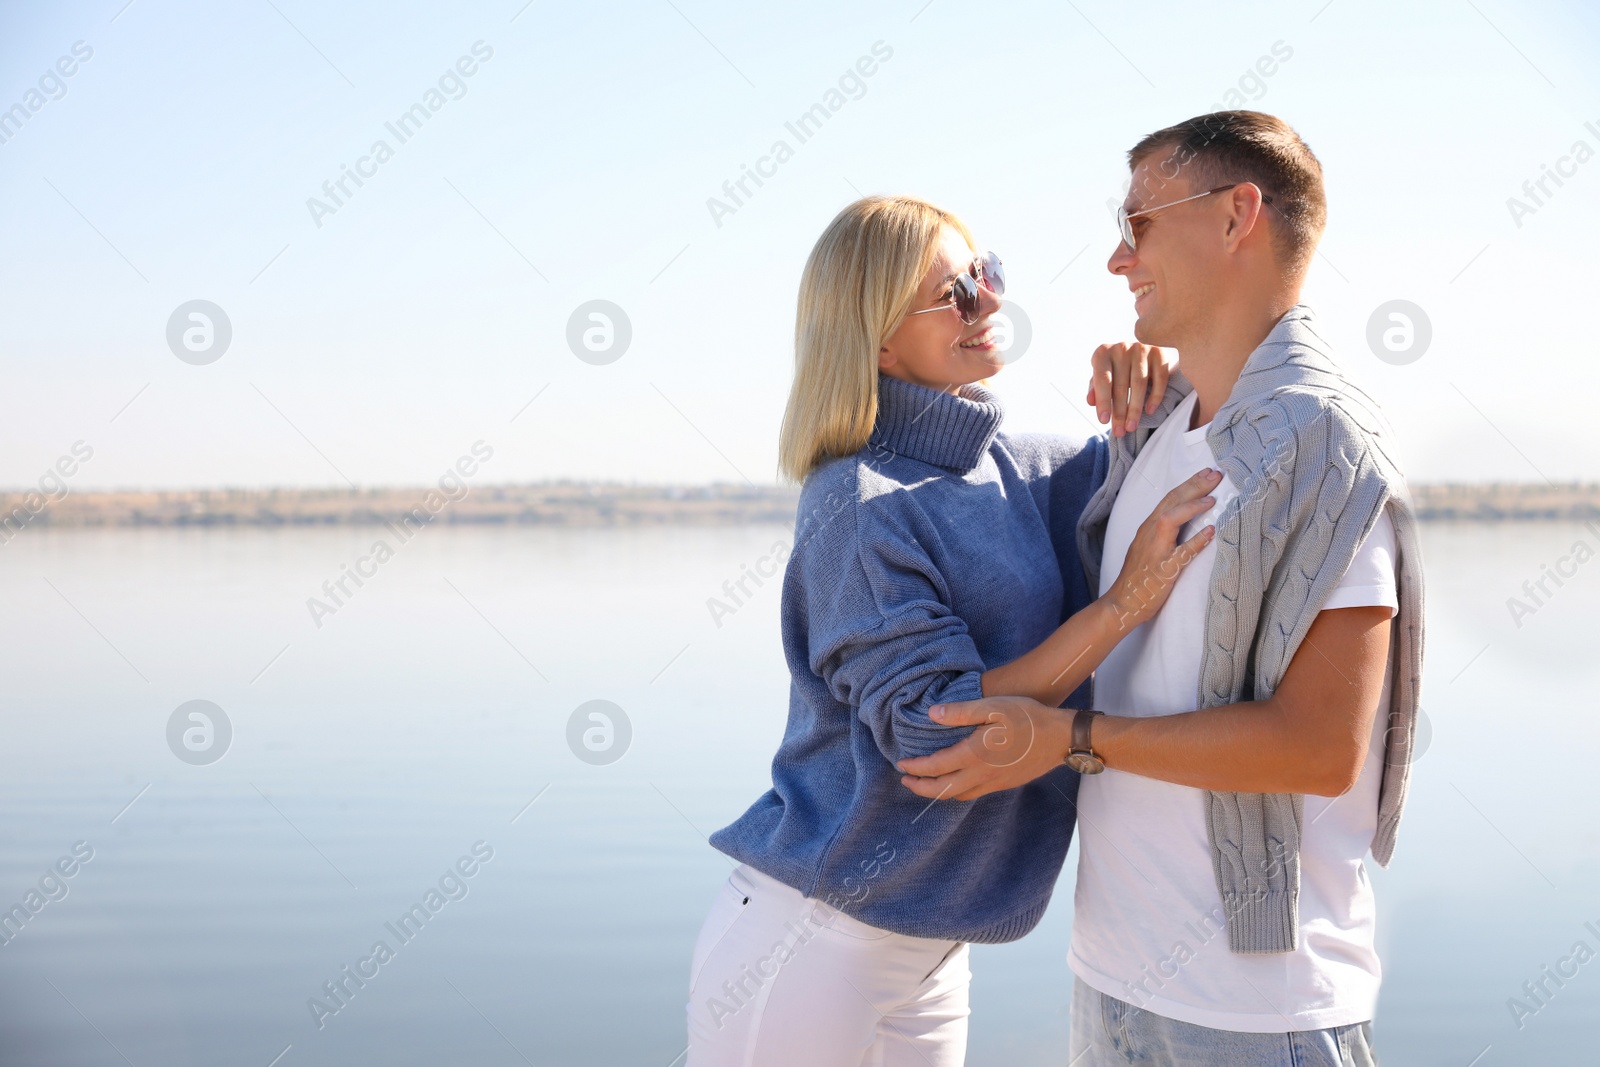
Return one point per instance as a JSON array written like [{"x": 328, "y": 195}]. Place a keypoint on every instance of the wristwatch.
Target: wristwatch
[{"x": 1081, "y": 757}]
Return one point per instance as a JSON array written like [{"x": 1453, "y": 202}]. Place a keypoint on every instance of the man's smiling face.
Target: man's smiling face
[{"x": 1173, "y": 273}]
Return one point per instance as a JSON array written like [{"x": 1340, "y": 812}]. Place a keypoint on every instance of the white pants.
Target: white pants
[{"x": 778, "y": 979}]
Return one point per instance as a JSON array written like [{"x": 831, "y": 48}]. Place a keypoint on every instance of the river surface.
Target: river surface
[{"x": 416, "y": 735}]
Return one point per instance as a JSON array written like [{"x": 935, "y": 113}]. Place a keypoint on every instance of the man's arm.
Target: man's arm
[{"x": 1310, "y": 736}]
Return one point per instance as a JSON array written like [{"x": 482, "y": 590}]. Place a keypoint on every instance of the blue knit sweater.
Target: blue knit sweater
[{"x": 941, "y": 549}]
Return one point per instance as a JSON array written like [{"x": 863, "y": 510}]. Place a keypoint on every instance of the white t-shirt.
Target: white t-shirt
[{"x": 1148, "y": 927}]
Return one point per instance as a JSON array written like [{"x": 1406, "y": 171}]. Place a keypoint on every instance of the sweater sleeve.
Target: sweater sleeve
[{"x": 882, "y": 635}]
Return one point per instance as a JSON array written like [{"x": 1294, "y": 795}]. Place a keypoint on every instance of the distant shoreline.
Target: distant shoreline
[{"x": 594, "y": 504}]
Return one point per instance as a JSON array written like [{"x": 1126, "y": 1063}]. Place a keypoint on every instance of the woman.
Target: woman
[{"x": 928, "y": 546}]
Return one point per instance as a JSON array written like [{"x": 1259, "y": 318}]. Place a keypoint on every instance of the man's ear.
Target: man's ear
[{"x": 1245, "y": 211}]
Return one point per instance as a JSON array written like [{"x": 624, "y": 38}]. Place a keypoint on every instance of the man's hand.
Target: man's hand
[
  {"x": 1018, "y": 740},
  {"x": 1122, "y": 373}
]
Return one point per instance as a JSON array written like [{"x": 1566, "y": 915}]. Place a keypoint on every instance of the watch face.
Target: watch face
[{"x": 1084, "y": 762}]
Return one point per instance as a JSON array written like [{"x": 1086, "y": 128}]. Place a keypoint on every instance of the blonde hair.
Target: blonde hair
[{"x": 857, "y": 286}]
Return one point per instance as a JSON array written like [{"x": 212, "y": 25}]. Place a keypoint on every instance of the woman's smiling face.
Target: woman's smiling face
[{"x": 938, "y": 350}]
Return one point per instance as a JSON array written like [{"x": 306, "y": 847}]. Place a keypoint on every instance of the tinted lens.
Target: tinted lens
[
  {"x": 1125, "y": 228},
  {"x": 994, "y": 275},
  {"x": 966, "y": 297}
]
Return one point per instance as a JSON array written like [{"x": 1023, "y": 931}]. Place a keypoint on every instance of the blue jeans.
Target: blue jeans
[{"x": 1107, "y": 1032}]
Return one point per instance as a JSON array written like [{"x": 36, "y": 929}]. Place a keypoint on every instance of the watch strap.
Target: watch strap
[{"x": 1081, "y": 723}]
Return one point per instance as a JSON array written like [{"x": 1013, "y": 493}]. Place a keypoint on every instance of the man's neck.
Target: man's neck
[{"x": 1213, "y": 360}]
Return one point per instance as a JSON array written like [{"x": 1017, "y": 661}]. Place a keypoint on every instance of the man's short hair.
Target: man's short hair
[{"x": 1248, "y": 146}]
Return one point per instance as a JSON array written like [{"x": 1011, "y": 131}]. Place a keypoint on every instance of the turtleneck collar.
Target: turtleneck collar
[{"x": 945, "y": 429}]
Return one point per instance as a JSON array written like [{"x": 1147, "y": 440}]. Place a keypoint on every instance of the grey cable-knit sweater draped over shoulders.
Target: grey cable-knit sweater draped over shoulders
[{"x": 1311, "y": 456}]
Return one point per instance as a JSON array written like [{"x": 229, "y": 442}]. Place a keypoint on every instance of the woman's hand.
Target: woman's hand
[
  {"x": 1121, "y": 376},
  {"x": 1155, "y": 559}
]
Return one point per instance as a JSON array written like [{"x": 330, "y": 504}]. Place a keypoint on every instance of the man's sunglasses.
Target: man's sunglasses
[
  {"x": 1123, "y": 214},
  {"x": 985, "y": 268}
]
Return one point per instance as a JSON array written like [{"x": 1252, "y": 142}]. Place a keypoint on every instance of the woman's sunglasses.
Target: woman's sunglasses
[{"x": 986, "y": 269}]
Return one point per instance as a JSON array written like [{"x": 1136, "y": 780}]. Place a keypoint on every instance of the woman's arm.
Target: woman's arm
[
  {"x": 867, "y": 606},
  {"x": 880, "y": 633},
  {"x": 1050, "y": 672}
]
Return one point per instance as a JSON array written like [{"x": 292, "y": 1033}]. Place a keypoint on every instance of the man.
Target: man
[{"x": 1257, "y": 736}]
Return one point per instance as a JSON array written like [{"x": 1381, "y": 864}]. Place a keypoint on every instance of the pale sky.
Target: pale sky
[{"x": 375, "y": 343}]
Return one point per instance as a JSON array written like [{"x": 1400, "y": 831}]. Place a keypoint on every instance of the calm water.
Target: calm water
[{"x": 370, "y": 755}]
